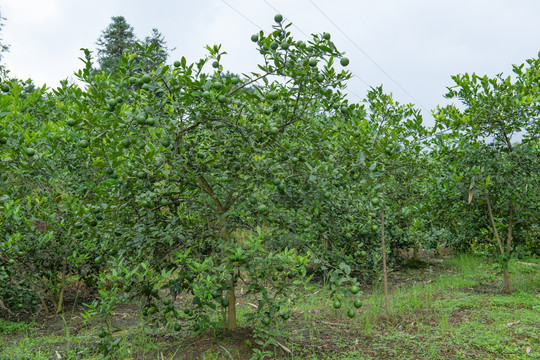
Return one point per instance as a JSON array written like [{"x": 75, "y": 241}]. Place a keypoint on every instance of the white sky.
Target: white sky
[{"x": 419, "y": 43}]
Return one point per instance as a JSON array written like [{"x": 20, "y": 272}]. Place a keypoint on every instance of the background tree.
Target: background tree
[
  {"x": 3, "y": 47},
  {"x": 160, "y": 50},
  {"x": 114, "y": 40}
]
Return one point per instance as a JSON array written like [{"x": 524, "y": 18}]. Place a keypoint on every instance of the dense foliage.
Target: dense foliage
[{"x": 154, "y": 180}]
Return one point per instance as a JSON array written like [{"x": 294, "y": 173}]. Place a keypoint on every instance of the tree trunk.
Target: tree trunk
[
  {"x": 61, "y": 297},
  {"x": 507, "y": 286},
  {"x": 231, "y": 325},
  {"x": 385, "y": 276},
  {"x": 505, "y": 250}
]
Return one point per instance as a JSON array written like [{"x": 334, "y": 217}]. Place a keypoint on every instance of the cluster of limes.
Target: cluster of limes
[{"x": 357, "y": 303}]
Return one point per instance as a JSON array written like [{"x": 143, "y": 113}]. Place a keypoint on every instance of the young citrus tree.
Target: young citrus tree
[
  {"x": 41, "y": 202},
  {"x": 493, "y": 166},
  {"x": 191, "y": 156}
]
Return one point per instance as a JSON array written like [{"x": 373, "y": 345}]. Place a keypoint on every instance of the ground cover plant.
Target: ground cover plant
[
  {"x": 444, "y": 308},
  {"x": 178, "y": 210}
]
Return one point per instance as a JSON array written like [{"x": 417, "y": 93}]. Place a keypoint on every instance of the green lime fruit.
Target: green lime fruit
[
  {"x": 177, "y": 64},
  {"x": 344, "y": 61},
  {"x": 71, "y": 122},
  {"x": 326, "y": 36},
  {"x": 351, "y": 313},
  {"x": 274, "y": 45},
  {"x": 163, "y": 202},
  {"x": 374, "y": 228},
  {"x": 166, "y": 301},
  {"x": 177, "y": 327},
  {"x": 154, "y": 291},
  {"x": 84, "y": 143},
  {"x": 285, "y": 316},
  {"x": 224, "y": 302},
  {"x": 375, "y": 201},
  {"x": 92, "y": 222},
  {"x": 217, "y": 85},
  {"x": 11, "y": 262},
  {"x": 320, "y": 78},
  {"x": 276, "y": 181},
  {"x": 357, "y": 303},
  {"x": 355, "y": 289},
  {"x": 252, "y": 200},
  {"x": 312, "y": 62},
  {"x": 281, "y": 187},
  {"x": 280, "y": 268},
  {"x": 262, "y": 208},
  {"x": 141, "y": 119},
  {"x": 336, "y": 304},
  {"x": 3, "y": 141},
  {"x": 285, "y": 45},
  {"x": 146, "y": 78},
  {"x": 215, "y": 64},
  {"x": 255, "y": 37},
  {"x": 278, "y": 18},
  {"x": 348, "y": 236},
  {"x": 166, "y": 142},
  {"x": 5, "y": 88},
  {"x": 30, "y": 152},
  {"x": 102, "y": 334},
  {"x": 125, "y": 143},
  {"x": 273, "y": 95},
  {"x": 266, "y": 320},
  {"x": 150, "y": 121},
  {"x": 132, "y": 80},
  {"x": 235, "y": 80},
  {"x": 273, "y": 130},
  {"x": 222, "y": 99}
]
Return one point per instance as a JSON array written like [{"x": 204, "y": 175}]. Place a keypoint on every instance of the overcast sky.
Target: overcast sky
[{"x": 418, "y": 43}]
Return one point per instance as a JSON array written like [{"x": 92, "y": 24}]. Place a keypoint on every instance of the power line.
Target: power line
[
  {"x": 299, "y": 29},
  {"x": 294, "y": 25},
  {"x": 242, "y": 15},
  {"x": 307, "y": 36},
  {"x": 366, "y": 55}
]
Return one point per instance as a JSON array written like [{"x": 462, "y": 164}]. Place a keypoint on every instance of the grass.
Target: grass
[{"x": 448, "y": 310}]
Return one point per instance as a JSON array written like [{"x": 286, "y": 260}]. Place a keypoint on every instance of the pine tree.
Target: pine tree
[
  {"x": 3, "y": 47},
  {"x": 114, "y": 40},
  {"x": 160, "y": 52}
]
